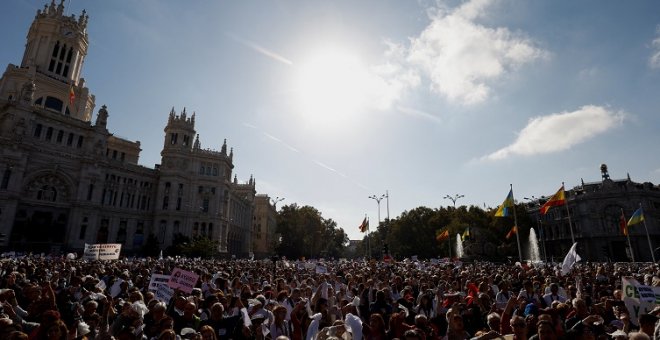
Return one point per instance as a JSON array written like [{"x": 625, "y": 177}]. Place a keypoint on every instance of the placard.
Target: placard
[
  {"x": 102, "y": 251},
  {"x": 183, "y": 280}
]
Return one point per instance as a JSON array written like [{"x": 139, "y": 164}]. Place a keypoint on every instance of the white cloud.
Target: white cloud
[
  {"x": 462, "y": 58},
  {"x": 560, "y": 131},
  {"x": 654, "y": 61}
]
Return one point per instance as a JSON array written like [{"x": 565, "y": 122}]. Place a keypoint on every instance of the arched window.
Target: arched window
[
  {"x": 47, "y": 193},
  {"x": 54, "y": 104}
]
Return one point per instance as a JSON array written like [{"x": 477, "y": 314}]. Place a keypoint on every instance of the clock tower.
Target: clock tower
[{"x": 54, "y": 54}]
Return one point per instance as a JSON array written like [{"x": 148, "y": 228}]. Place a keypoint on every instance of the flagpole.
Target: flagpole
[
  {"x": 449, "y": 240},
  {"x": 632, "y": 253},
  {"x": 515, "y": 223},
  {"x": 368, "y": 240},
  {"x": 568, "y": 213},
  {"x": 647, "y": 235}
]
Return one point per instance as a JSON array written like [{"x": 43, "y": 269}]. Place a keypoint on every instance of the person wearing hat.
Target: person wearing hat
[{"x": 258, "y": 309}]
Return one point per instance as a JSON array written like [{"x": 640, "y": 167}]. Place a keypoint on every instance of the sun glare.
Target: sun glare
[{"x": 331, "y": 87}]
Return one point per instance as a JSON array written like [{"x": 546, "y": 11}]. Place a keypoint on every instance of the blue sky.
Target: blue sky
[{"x": 329, "y": 102}]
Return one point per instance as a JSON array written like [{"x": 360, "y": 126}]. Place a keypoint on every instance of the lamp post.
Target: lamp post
[
  {"x": 274, "y": 201},
  {"x": 377, "y": 199},
  {"x": 532, "y": 199},
  {"x": 454, "y": 198}
]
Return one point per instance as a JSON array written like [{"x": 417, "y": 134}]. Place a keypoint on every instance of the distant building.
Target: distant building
[
  {"x": 264, "y": 237},
  {"x": 66, "y": 180},
  {"x": 595, "y": 213}
]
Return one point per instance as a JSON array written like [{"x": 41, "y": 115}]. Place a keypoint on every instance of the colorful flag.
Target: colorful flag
[
  {"x": 505, "y": 208},
  {"x": 623, "y": 225},
  {"x": 559, "y": 198},
  {"x": 443, "y": 236},
  {"x": 72, "y": 95},
  {"x": 466, "y": 234},
  {"x": 637, "y": 217},
  {"x": 569, "y": 261},
  {"x": 511, "y": 232},
  {"x": 364, "y": 226}
]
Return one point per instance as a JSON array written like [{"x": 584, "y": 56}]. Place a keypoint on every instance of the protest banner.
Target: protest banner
[
  {"x": 639, "y": 299},
  {"x": 102, "y": 251},
  {"x": 163, "y": 293},
  {"x": 157, "y": 280},
  {"x": 183, "y": 280}
]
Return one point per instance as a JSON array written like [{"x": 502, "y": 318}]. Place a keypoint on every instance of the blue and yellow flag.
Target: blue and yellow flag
[
  {"x": 637, "y": 217},
  {"x": 505, "y": 209},
  {"x": 466, "y": 234}
]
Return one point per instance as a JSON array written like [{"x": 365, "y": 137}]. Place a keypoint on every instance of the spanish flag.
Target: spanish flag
[
  {"x": 505, "y": 208},
  {"x": 443, "y": 236},
  {"x": 72, "y": 95},
  {"x": 512, "y": 232},
  {"x": 364, "y": 226},
  {"x": 622, "y": 224},
  {"x": 637, "y": 217},
  {"x": 559, "y": 198}
]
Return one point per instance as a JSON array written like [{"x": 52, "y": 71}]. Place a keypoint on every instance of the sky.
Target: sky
[{"x": 326, "y": 103}]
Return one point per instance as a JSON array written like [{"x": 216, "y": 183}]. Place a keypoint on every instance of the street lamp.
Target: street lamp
[
  {"x": 274, "y": 201},
  {"x": 378, "y": 199},
  {"x": 454, "y": 198}
]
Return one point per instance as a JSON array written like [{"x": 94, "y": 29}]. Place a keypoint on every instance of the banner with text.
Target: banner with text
[
  {"x": 639, "y": 299},
  {"x": 183, "y": 280},
  {"x": 102, "y": 251}
]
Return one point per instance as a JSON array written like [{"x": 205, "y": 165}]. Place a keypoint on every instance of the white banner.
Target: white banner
[
  {"x": 639, "y": 299},
  {"x": 102, "y": 251},
  {"x": 157, "y": 280},
  {"x": 183, "y": 280}
]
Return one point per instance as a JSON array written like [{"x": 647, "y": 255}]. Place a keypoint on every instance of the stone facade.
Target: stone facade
[
  {"x": 67, "y": 180},
  {"x": 595, "y": 211},
  {"x": 264, "y": 228}
]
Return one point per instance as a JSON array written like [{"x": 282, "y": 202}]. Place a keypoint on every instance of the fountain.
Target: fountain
[
  {"x": 459, "y": 246},
  {"x": 533, "y": 252}
]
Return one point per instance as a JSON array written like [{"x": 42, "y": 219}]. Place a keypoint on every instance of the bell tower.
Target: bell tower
[
  {"x": 55, "y": 50},
  {"x": 57, "y": 44}
]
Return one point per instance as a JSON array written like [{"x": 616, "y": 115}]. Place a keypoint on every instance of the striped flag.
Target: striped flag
[
  {"x": 443, "y": 236},
  {"x": 622, "y": 224},
  {"x": 559, "y": 198},
  {"x": 72, "y": 95},
  {"x": 512, "y": 232},
  {"x": 364, "y": 226},
  {"x": 637, "y": 217},
  {"x": 505, "y": 208}
]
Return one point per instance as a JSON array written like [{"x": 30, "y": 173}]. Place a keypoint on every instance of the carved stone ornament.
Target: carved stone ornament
[{"x": 48, "y": 188}]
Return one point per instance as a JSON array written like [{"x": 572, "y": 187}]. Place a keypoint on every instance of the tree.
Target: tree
[{"x": 305, "y": 233}]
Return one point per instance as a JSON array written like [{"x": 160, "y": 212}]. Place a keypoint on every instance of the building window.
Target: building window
[
  {"x": 69, "y": 140},
  {"x": 176, "y": 227},
  {"x": 200, "y": 189},
  {"x": 201, "y": 169},
  {"x": 178, "y": 203},
  {"x": 90, "y": 191},
  {"x": 121, "y": 233},
  {"x": 60, "y": 135},
  {"x": 49, "y": 133},
  {"x": 166, "y": 202},
  {"x": 205, "y": 205},
  {"x": 167, "y": 188},
  {"x": 37, "y": 131},
  {"x": 54, "y": 104},
  {"x": 5, "y": 178},
  {"x": 173, "y": 138},
  {"x": 215, "y": 171},
  {"x": 83, "y": 229},
  {"x": 47, "y": 193},
  {"x": 114, "y": 154},
  {"x": 80, "y": 142},
  {"x": 210, "y": 232}
]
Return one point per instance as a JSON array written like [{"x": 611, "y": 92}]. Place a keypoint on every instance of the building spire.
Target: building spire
[
  {"x": 224, "y": 148},
  {"x": 197, "y": 144}
]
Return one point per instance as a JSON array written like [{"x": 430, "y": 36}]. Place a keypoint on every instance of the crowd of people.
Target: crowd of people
[{"x": 60, "y": 298}]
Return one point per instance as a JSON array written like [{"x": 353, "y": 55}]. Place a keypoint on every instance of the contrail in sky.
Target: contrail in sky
[{"x": 268, "y": 53}]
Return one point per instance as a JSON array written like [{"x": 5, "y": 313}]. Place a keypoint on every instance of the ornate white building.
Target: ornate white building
[{"x": 66, "y": 180}]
